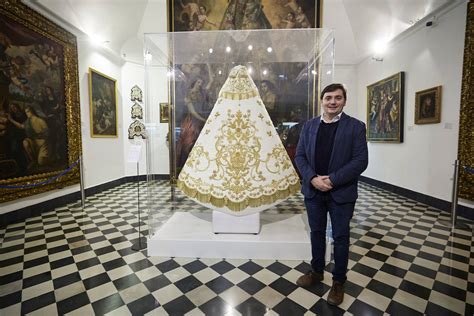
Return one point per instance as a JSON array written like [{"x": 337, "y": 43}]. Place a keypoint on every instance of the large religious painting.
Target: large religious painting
[
  {"x": 385, "y": 110},
  {"x": 287, "y": 98},
  {"x": 466, "y": 124},
  {"x": 102, "y": 104},
  {"x": 201, "y": 15},
  {"x": 39, "y": 104}
]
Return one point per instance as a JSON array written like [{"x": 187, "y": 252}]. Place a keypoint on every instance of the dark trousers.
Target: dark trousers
[{"x": 341, "y": 215}]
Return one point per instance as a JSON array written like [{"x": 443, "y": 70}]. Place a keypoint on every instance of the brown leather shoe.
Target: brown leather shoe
[
  {"x": 336, "y": 295},
  {"x": 309, "y": 279}
]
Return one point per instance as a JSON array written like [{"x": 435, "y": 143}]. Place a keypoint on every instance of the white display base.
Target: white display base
[
  {"x": 225, "y": 223},
  {"x": 281, "y": 237}
]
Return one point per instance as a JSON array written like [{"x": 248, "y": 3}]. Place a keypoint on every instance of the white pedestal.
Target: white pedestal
[
  {"x": 226, "y": 223},
  {"x": 281, "y": 237}
]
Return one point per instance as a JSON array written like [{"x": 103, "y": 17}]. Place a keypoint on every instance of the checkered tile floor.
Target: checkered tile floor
[{"x": 402, "y": 262}]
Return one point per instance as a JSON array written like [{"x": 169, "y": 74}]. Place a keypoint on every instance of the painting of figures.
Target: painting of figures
[
  {"x": 39, "y": 113},
  {"x": 103, "y": 105},
  {"x": 201, "y": 15},
  {"x": 385, "y": 110}
]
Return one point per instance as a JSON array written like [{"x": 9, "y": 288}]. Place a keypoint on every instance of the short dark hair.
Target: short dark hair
[{"x": 333, "y": 87}]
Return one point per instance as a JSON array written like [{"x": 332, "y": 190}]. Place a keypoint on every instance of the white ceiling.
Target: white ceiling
[{"x": 357, "y": 23}]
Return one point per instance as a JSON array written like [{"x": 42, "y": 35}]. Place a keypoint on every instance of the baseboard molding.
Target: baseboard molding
[
  {"x": 22, "y": 214},
  {"x": 443, "y": 205}
]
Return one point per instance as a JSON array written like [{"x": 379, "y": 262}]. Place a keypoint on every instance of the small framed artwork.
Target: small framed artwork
[
  {"x": 164, "y": 113},
  {"x": 103, "y": 104},
  {"x": 428, "y": 106}
]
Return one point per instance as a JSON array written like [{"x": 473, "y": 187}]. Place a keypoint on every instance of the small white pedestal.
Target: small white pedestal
[{"x": 228, "y": 224}]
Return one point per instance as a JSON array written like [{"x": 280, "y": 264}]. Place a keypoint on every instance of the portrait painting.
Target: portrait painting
[
  {"x": 282, "y": 93},
  {"x": 103, "y": 104},
  {"x": 39, "y": 103},
  {"x": 428, "y": 106},
  {"x": 164, "y": 113},
  {"x": 385, "y": 109}
]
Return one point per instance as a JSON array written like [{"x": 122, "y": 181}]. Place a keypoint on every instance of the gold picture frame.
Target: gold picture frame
[
  {"x": 164, "y": 113},
  {"x": 428, "y": 106},
  {"x": 40, "y": 134},
  {"x": 102, "y": 104}
]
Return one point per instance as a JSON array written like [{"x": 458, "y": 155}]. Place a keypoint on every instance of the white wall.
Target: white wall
[
  {"x": 347, "y": 75},
  {"x": 429, "y": 57},
  {"x": 103, "y": 157},
  {"x": 134, "y": 74}
]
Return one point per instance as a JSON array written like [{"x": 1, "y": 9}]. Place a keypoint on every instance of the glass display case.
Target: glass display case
[{"x": 184, "y": 74}]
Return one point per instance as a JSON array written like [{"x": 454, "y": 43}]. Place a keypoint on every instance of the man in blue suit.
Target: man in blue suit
[{"x": 331, "y": 154}]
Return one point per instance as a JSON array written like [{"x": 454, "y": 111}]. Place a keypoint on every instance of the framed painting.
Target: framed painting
[
  {"x": 283, "y": 98},
  {"x": 40, "y": 140},
  {"x": 428, "y": 106},
  {"x": 193, "y": 15},
  {"x": 164, "y": 113},
  {"x": 385, "y": 110},
  {"x": 103, "y": 104}
]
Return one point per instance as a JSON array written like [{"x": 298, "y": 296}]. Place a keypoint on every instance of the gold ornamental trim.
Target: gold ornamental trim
[
  {"x": 238, "y": 206},
  {"x": 238, "y": 96},
  {"x": 466, "y": 121}
]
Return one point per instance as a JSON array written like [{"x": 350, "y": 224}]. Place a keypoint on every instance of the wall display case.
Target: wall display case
[{"x": 187, "y": 70}]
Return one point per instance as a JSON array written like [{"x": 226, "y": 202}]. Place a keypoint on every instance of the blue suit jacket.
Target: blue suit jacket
[{"x": 349, "y": 158}]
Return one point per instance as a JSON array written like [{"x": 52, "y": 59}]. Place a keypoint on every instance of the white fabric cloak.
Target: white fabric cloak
[{"x": 238, "y": 164}]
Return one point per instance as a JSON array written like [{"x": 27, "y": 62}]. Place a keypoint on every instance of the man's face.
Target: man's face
[{"x": 333, "y": 102}]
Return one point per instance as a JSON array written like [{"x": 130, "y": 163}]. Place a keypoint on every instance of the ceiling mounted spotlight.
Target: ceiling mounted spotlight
[{"x": 379, "y": 49}]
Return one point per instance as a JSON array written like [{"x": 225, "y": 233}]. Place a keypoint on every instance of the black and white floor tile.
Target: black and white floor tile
[{"x": 403, "y": 261}]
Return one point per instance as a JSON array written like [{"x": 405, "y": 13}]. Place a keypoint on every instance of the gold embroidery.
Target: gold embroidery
[
  {"x": 240, "y": 163},
  {"x": 238, "y": 86},
  {"x": 198, "y": 159},
  {"x": 238, "y": 167}
]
